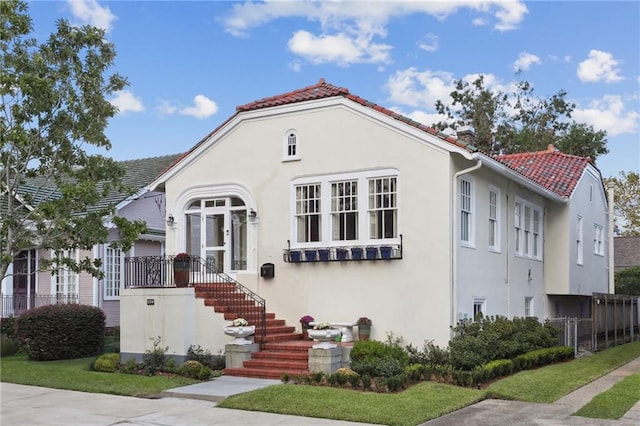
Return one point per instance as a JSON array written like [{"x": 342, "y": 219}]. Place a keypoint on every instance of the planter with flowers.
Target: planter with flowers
[
  {"x": 181, "y": 269},
  {"x": 240, "y": 329},
  {"x": 304, "y": 325},
  {"x": 364, "y": 328},
  {"x": 325, "y": 333}
]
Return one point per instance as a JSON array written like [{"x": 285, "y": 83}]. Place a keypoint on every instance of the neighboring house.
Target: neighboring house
[
  {"x": 27, "y": 287},
  {"x": 322, "y": 169},
  {"x": 626, "y": 252}
]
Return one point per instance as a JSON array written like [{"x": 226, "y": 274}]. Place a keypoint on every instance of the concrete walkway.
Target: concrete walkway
[
  {"x": 515, "y": 413},
  {"x": 195, "y": 405}
]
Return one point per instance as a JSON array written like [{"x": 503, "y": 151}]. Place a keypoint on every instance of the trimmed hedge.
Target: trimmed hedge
[{"x": 61, "y": 332}]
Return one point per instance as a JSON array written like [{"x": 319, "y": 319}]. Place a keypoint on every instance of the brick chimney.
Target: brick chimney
[{"x": 466, "y": 134}]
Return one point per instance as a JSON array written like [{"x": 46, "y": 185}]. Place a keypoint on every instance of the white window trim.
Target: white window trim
[
  {"x": 482, "y": 302},
  {"x": 579, "y": 240},
  {"x": 285, "y": 146},
  {"x": 325, "y": 181},
  {"x": 107, "y": 247},
  {"x": 528, "y": 301},
  {"x": 598, "y": 240},
  {"x": 528, "y": 254},
  {"x": 496, "y": 248},
  {"x": 471, "y": 242},
  {"x": 66, "y": 274}
]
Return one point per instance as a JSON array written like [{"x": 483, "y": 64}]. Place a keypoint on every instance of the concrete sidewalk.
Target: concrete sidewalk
[{"x": 516, "y": 413}]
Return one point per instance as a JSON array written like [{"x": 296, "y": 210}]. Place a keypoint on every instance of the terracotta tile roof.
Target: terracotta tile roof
[
  {"x": 554, "y": 170},
  {"x": 325, "y": 90}
]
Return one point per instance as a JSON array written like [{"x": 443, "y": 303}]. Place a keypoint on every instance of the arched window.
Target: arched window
[{"x": 291, "y": 146}]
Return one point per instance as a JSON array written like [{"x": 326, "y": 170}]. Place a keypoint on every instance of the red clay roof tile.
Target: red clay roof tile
[{"x": 554, "y": 170}]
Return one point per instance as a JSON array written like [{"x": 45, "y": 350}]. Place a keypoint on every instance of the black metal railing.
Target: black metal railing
[
  {"x": 343, "y": 254},
  {"x": 230, "y": 296},
  {"x": 18, "y": 304}
]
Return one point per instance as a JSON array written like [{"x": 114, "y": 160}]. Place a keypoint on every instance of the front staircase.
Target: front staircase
[{"x": 282, "y": 349}]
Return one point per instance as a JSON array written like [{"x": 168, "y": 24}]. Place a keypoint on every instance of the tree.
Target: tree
[
  {"x": 506, "y": 123},
  {"x": 626, "y": 200},
  {"x": 628, "y": 282},
  {"x": 53, "y": 107}
]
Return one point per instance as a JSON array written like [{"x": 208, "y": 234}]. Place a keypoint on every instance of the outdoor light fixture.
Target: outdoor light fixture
[
  {"x": 252, "y": 214},
  {"x": 170, "y": 220}
]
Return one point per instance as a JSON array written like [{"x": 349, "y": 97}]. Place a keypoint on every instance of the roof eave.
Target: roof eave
[{"x": 522, "y": 180}]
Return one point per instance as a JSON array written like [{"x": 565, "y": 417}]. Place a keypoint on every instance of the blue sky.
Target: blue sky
[{"x": 190, "y": 64}]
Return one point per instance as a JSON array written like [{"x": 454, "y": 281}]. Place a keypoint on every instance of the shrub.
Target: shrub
[
  {"x": 205, "y": 357},
  {"x": 112, "y": 340},
  {"x": 492, "y": 338},
  {"x": 430, "y": 354},
  {"x": 107, "y": 363},
  {"x": 7, "y": 326},
  {"x": 130, "y": 367},
  {"x": 61, "y": 332},
  {"x": 378, "y": 359},
  {"x": 285, "y": 377},
  {"x": 153, "y": 359},
  {"x": 8, "y": 346},
  {"x": 195, "y": 370}
]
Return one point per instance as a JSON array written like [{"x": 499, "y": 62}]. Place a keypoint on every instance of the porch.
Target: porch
[
  {"x": 155, "y": 303},
  {"x": 16, "y": 305}
]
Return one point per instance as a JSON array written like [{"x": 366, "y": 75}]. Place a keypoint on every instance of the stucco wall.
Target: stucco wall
[{"x": 409, "y": 297}]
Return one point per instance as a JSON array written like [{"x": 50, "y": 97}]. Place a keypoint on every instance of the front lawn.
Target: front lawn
[
  {"x": 613, "y": 403},
  {"x": 75, "y": 375}
]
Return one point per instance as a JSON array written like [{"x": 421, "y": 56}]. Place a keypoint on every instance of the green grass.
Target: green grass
[
  {"x": 613, "y": 403},
  {"x": 550, "y": 383},
  {"x": 415, "y": 405},
  {"x": 75, "y": 375}
]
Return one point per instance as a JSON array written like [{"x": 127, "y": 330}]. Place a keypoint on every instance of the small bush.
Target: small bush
[
  {"x": 8, "y": 346},
  {"x": 205, "y": 357},
  {"x": 195, "y": 370},
  {"x": 378, "y": 359},
  {"x": 153, "y": 360},
  {"x": 107, "y": 363},
  {"x": 7, "y": 326},
  {"x": 61, "y": 332},
  {"x": 285, "y": 377},
  {"x": 130, "y": 367}
]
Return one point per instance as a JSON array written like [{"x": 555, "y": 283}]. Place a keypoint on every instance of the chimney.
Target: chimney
[
  {"x": 551, "y": 148},
  {"x": 466, "y": 134}
]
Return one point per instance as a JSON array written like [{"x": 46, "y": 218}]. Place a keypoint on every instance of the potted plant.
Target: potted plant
[
  {"x": 304, "y": 324},
  {"x": 240, "y": 330},
  {"x": 181, "y": 269},
  {"x": 324, "y": 332},
  {"x": 364, "y": 328}
]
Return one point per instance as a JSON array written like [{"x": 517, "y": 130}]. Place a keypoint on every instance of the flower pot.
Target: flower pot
[
  {"x": 310, "y": 255},
  {"x": 385, "y": 252},
  {"x": 356, "y": 253},
  {"x": 325, "y": 336},
  {"x": 372, "y": 252},
  {"x": 341, "y": 254},
  {"x": 240, "y": 334},
  {"x": 324, "y": 255},
  {"x": 181, "y": 272},
  {"x": 295, "y": 256},
  {"x": 364, "y": 332}
]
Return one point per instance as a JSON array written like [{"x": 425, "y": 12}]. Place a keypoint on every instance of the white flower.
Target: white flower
[{"x": 240, "y": 322}]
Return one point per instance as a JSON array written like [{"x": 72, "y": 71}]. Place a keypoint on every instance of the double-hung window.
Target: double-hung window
[
  {"x": 308, "y": 218},
  {"x": 383, "y": 208},
  {"x": 466, "y": 212},
  {"x": 598, "y": 246},
  {"x": 345, "y": 209},
  {"x": 494, "y": 220},
  {"x": 113, "y": 267},
  {"x": 528, "y": 224},
  {"x": 65, "y": 279}
]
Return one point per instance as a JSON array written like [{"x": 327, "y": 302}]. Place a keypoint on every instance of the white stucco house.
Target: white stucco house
[{"x": 455, "y": 232}]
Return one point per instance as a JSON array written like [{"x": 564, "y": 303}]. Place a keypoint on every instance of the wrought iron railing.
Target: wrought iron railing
[
  {"x": 17, "y": 304},
  {"x": 230, "y": 297}
]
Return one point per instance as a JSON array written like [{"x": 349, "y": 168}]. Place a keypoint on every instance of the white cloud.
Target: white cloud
[
  {"x": 90, "y": 12},
  {"x": 525, "y": 60},
  {"x": 126, "y": 101},
  {"x": 166, "y": 108},
  {"x": 203, "y": 107},
  {"x": 340, "y": 48},
  {"x": 609, "y": 113},
  {"x": 295, "y": 65},
  {"x": 599, "y": 66},
  {"x": 350, "y": 30},
  {"x": 419, "y": 89},
  {"x": 430, "y": 43}
]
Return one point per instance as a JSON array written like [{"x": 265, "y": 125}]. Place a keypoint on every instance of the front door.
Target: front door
[{"x": 217, "y": 232}]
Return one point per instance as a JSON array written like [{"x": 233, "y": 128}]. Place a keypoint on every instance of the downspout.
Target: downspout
[
  {"x": 454, "y": 240},
  {"x": 610, "y": 193}
]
